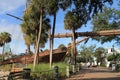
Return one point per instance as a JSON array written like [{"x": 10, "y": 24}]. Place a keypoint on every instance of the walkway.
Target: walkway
[{"x": 96, "y": 74}]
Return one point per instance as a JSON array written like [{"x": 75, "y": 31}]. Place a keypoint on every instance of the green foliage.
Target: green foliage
[
  {"x": 42, "y": 71},
  {"x": 80, "y": 59},
  {"x": 61, "y": 45},
  {"x": 82, "y": 12},
  {"x": 107, "y": 20},
  {"x": 110, "y": 58},
  {"x": 113, "y": 57},
  {"x": 52, "y": 7},
  {"x": 4, "y": 38},
  {"x": 6, "y": 67},
  {"x": 118, "y": 67},
  {"x": 99, "y": 54},
  {"x": 30, "y": 25},
  {"x": 87, "y": 53},
  {"x": 0, "y": 58}
]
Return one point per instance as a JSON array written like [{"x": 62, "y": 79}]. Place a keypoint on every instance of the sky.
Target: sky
[{"x": 12, "y": 26}]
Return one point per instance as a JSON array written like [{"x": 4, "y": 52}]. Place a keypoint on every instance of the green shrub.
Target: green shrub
[
  {"x": 118, "y": 67},
  {"x": 42, "y": 70}
]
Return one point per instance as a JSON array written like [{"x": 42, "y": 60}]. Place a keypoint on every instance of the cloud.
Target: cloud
[
  {"x": 13, "y": 29},
  {"x": 17, "y": 44},
  {"x": 10, "y": 5}
]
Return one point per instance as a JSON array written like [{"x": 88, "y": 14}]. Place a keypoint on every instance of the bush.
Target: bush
[
  {"x": 118, "y": 67},
  {"x": 43, "y": 72}
]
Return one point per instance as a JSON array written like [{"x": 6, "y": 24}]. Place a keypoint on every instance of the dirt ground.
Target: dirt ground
[{"x": 98, "y": 73}]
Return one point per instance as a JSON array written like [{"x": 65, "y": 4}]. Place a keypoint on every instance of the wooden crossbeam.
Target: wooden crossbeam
[
  {"x": 91, "y": 34},
  {"x": 79, "y": 41}
]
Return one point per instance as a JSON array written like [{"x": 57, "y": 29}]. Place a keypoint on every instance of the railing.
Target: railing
[
  {"x": 55, "y": 74},
  {"x": 24, "y": 74}
]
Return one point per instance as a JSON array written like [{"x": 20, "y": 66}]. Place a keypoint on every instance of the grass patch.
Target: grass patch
[
  {"x": 43, "y": 71},
  {"x": 6, "y": 67}
]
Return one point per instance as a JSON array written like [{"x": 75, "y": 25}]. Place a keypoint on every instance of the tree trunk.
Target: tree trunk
[
  {"x": 28, "y": 49},
  {"x": 52, "y": 40},
  {"x": 74, "y": 46},
  {"x": 3, "y": 51},
  {"x": 38, "y": 40}
]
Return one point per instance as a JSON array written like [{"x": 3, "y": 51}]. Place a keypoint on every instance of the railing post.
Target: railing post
[
  {"x": 73, "y": 68},
  {"x": 67, "y": 71},
  {"x": 56, "y": 72},
  {"x": 26, "y": 74},
  {"x": 10, "y": 77},
  {"x": 78, "y": 67}
]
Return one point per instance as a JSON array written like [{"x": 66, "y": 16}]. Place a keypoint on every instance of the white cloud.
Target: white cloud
[
  {"x": 13, "y": 29},
  {"x": 10, "y": 5},
  {"x": 17, "y": 44}
]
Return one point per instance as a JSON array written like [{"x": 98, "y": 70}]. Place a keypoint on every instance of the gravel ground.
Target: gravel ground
[{"x": 96, "y": 74}]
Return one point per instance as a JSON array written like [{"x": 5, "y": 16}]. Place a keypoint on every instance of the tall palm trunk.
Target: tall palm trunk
[
  {"x": 38, "y": 40},
  {"x": 52, "y": 40},
  {"x": 74, "y": 46},
  {"x": 37, "y": 58}
]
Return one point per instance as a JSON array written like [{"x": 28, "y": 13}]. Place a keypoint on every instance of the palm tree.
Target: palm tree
[
  {"x": 80, "y": 14},
  {"x": 4, "y": 38},
  {"x": 52, "y": 9},
  {"x": 36, "y": 24},
  {"x": 70, "y": 23}
]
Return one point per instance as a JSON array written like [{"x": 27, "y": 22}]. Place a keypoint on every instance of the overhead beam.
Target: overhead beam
[{"x": 91, "y": 34}]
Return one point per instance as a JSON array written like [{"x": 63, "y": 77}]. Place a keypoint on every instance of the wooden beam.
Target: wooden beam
[
  {"x": 79, "y": 41},
  {"x": 91, "y": 34}
]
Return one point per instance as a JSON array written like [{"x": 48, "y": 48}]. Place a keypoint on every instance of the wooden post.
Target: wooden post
[
  {"x": 56, "y": 68},
  {"x": 74, "y": 46},
  {"x": 78, "y": 67},
  {"x": 73, "y": 69},
  {"x": 26, "y": 74},
  {"x": 67, "y": 71}
]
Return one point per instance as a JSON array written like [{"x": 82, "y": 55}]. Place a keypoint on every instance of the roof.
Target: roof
[{"x": 28, "y": 58}]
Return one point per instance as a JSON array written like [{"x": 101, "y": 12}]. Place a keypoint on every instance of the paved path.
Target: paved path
[{"x": 96, "y": 74}]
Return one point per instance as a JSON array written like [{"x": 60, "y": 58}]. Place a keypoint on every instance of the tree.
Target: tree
[
  {"x": 80, "y": 14},
  {"x": 61, "y": 45},
  {"x": 36, "y": 24},
  {"x": 99, "y": 54},
  {"x": 107, "y": 20},
  {"x": 4, "y": 38},
  {"x": 115, "y": 57},
  {"x": 87, "y": 53},
  {"x": 28, "y": 41},
  {"x": 52, "y": 9}
]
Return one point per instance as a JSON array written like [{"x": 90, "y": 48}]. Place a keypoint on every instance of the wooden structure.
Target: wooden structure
[
  {"x": 91, "y": 34},
  {"x": 58, "y": 54}
]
